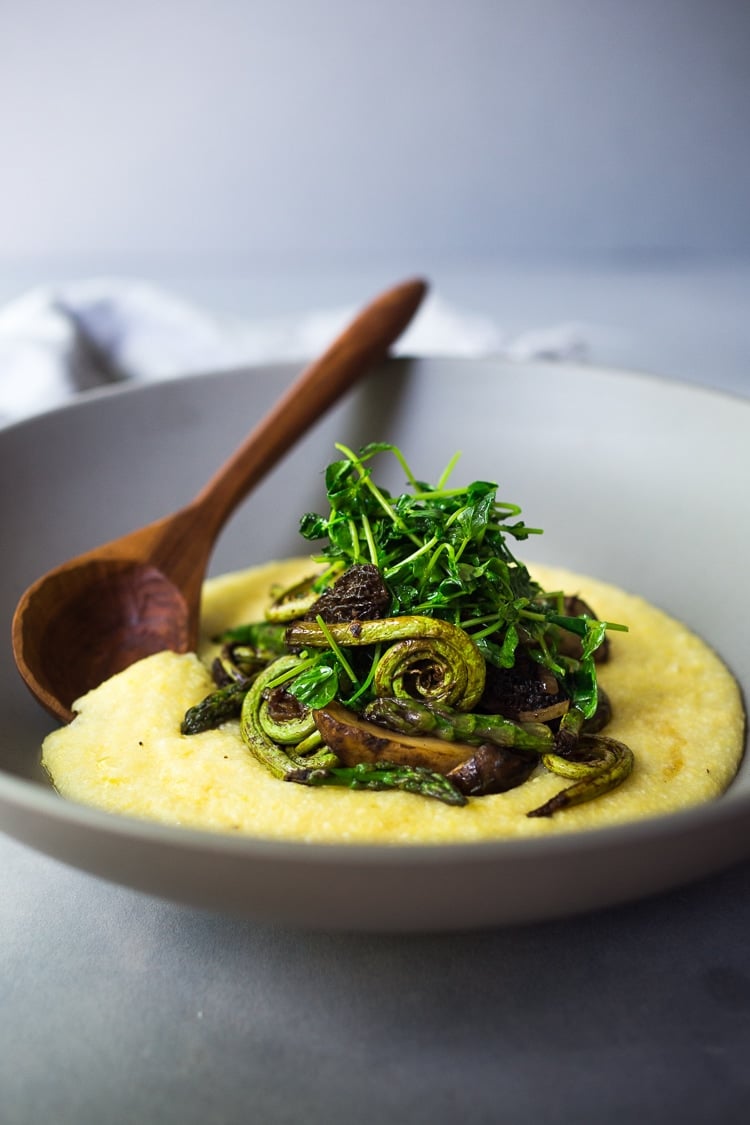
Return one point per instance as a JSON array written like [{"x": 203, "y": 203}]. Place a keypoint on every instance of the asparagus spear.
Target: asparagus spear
[
  {"x": 216, "y": 708},
  {"x": 412, "y": 717},
  {"x": 382, "y": 775}
]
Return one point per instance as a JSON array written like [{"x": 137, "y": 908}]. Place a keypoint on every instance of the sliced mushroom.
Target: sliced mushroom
[
  {"x": 354, "y": 740},
  {"x": 492, "y": 769}
]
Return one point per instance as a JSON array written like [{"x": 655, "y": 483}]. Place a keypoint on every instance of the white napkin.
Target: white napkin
[{"x": 58, "y": 340}]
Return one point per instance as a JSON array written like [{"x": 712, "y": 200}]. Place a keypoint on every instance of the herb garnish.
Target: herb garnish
[
  {"x": 444, "y": 553},
  {"x": 364, "y": 673}
]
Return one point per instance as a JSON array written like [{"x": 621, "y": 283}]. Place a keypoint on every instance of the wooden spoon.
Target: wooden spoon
[{"x": 100, "y": 612}]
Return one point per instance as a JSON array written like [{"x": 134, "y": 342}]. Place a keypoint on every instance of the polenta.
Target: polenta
[{"x": 124, "y": 752}]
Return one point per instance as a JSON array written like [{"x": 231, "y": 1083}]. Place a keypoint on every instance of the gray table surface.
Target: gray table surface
[{"x": 118, "y": 1008}]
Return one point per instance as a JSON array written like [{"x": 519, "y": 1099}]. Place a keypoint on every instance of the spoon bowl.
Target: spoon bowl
[
  {"x": 98, "y": 613},
  {"x": 103, "y": 615}
]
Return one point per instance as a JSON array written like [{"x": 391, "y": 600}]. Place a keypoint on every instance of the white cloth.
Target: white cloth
[{"x": 59, "y": 340}]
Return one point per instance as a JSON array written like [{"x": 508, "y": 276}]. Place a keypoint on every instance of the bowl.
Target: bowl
[{"x": 639, "y": 481}]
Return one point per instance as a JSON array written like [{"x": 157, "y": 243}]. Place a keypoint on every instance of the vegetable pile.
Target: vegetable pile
[{"x": 422, "y": 656}]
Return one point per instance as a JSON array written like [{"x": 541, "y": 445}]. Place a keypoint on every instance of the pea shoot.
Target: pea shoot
[{"x": 422, "y": 628}]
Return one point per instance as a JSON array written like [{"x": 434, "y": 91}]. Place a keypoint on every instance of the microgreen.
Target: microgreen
[
  {"x": 318, "y": 683},
  {"x": 444, "y": 552}
]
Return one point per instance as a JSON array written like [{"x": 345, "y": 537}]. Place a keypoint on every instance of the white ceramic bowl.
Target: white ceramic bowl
[{"x": 636, "y": 480}]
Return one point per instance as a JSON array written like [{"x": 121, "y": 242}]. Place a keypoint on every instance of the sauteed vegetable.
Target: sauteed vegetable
[{"x": 422, "y": 655}]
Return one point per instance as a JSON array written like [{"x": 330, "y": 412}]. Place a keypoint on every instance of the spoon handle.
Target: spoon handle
[{"x": 363, "y": 343}]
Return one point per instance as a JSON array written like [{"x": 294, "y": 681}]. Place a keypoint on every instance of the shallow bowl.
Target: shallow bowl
[{"x": 636, "y": 480}]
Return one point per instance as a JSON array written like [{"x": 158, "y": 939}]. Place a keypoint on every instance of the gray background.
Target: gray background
[{"x": 224, "y": 135}]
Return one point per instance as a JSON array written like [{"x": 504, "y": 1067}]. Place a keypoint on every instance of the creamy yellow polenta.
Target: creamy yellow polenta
[{"x": 675, "y": 704}]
